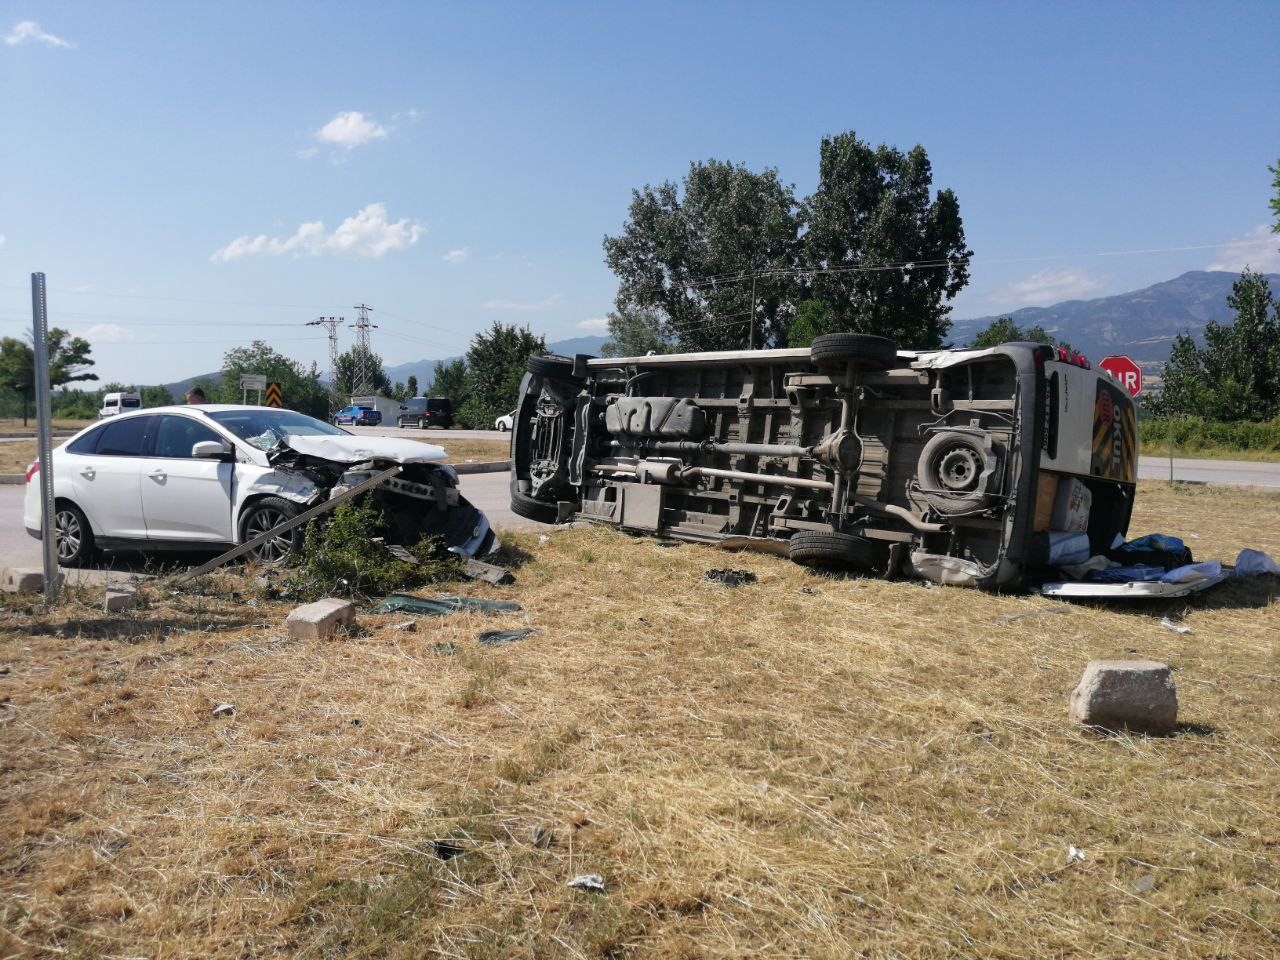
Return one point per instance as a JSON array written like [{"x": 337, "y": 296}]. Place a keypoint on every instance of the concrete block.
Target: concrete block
[
  {"x": 320, "y": 620},
  {"x": 1126, "y": 694},
  {"x": 22, "y": 580},
  {"x": 120, "y": 599}
]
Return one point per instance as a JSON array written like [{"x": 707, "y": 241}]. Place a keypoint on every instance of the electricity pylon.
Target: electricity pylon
[{"x": 335, "y": 389}]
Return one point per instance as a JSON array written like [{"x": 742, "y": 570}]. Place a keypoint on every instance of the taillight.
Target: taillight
[{"x": 33, "y": 469}]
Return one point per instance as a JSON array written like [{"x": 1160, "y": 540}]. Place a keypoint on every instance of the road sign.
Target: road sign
[
  {"x": 253, "y": 381},
  {"x": 1126, "y": 371},
  {"x": 274, "y": 398}
]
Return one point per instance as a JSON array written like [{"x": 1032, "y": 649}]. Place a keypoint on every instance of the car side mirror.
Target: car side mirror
[{"x": 211, "y": 450}]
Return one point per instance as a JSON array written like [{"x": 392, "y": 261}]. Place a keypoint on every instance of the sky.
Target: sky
[{"x": 193, "y": 176}]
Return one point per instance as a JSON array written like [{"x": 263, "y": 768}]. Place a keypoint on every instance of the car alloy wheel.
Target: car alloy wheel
[
  {"x": 263, "y": 517},
  {"x": 70, "y": 534}
]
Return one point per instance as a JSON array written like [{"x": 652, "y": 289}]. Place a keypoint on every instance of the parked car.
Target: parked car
[
  {"x": 505, "y": 422},
  {"x": 214, "y": 475},
  {"x": 423, "y": 412},
  {"x": 948, "y": 465},
  {"x": 358, "y": 417},
  {"x": 113, "y": 403}
]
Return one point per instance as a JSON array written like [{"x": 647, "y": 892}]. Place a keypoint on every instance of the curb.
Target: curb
[
  {"x": 493, "y": 466},
  {"x": 13, "y": 478}
]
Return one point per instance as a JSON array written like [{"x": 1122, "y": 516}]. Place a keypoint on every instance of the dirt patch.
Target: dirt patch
[
  {"x": 15, "y": 457},
  {"x": 803, "y": 766}
]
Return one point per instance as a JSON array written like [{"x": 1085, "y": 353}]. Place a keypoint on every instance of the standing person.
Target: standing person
[{"x": 196, "y": 396}]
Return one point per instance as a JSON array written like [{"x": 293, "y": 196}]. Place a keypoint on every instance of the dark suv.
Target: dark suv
[
  {"x": 357, "y": 417},
  {"x": 423, "y": 412}
]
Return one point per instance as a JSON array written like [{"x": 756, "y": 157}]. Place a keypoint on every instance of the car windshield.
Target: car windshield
[{"x": 265, "y": 428}]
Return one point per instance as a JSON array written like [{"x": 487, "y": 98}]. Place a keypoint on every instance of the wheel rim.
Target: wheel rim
[
  {"x": 279, "y": 546},
  {"x": 959, "y": 468},
  {"x": 69, "y": 533}
]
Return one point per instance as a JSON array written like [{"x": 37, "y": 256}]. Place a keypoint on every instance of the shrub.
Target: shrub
[{"x": 1196, "y": 433}]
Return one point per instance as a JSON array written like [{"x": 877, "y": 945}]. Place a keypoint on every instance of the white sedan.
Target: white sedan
[
  {"x": 211, "y": 476},
  {"x": 505, "y": 422}
]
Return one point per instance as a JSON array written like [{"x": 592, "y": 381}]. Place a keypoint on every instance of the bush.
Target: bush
[
  {"x": 343, "y": 557},
  {"x": 1197, "y": 433}
]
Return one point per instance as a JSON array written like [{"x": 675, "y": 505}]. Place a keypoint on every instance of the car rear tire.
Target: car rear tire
[
  {"x": 553, "y": 367},
  {"x": 525, "y": 506},
  {"x": 826, "y": 549},
  {"x": 260, "y": 517},
  {"x": 73, "y": 535},
  {"x": 834, "y": 349}
]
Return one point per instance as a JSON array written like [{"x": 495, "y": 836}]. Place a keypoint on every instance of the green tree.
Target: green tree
[
  {"x": 635, "y": 333},
  {"x": 1275, "y": 201},
  {"x": 397, "y": 392},
  {"x": 159, "y": 396},
  {"x": 1236, "y": 375},
  {"x": 887, "y": 256},
  {"x": 68, "y": 362},
  {"x": 813, "y": 319},
  {"x": 348, "y": 367},
  {"x": 450, "y": 381},
  {"x": 411, "y": 386},
  {"x": 300, "y": 386},
  {"x": 690, "y": 256},
  {"x": 1005, "y": 330},
  {"x": 495, "y": 362}
]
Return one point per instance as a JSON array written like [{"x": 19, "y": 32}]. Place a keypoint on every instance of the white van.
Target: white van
[{"x": 113, "y": 403}]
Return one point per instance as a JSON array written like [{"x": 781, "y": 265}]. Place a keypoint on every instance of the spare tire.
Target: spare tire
[
  {"x": 824, "y": 549},
  {"x": 957, "y": 472},
  {"x": 863, "y": 349}
]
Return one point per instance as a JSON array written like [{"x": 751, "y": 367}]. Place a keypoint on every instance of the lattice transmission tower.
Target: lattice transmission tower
[
  {"x": 335, "y": 388},
  {"x": 363, "y": 378}
]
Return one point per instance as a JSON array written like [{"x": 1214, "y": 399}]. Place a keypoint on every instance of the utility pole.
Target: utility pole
[
  {"x": 364, "y": 356},
  {"x": 331, "y": 324}
]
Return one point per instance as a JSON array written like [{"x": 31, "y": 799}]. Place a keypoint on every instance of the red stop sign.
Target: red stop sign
[{"x": 1126, "y": 371}]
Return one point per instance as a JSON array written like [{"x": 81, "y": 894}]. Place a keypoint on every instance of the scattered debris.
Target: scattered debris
[
  {"x": 730, "y": 578},
  {"x": 1135, "y": 694},
  {"x": 666, "y": 542},
  {"x": 224, "y": 710},
  {"x": 446, "y": 649},
  {"x": 496, "y": 638},
  {"x": 408, "y": 626},
  {"x": 443, "y": 606},
  {"x": 1175, "y": 627},
  {"x": 320, "y": 620},
  {"x": 541, "y": 836},
  {"x": 543, "y": 538},
  {"x": 1144, "y": 884},
  {"x": 447, "y": 849},
  {"x": 119, "y": 599},
  {"x": 1042, "y": 612},
  {"x": 588, "y": 881},
  {"x": 22, "y": 580},
  {"x": 1250, "y": 563},
  {"x": 4, "y": 671},
  {"x": 1075, "y": 855},
  {"x": 488, "y": 572},
  {"x": 400, "y": 553}
]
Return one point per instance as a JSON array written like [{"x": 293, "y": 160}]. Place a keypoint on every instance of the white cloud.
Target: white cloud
[
  {"x": 455, "y": 257},
  {"x": 1048, "y": 286},
  {"x": 29, "y": 30},
  {"x": 1259, "y": 249},
  {"x": 596, "y": 325},
  {"x": 107, "y": 333},
  {"x": 366, "y": 234},
  {"x": 524, "y": 306},
  {"x": 306, "y": 153},
  {"x": 350, "y": 130},
  {"x": 3, "y": 238}
]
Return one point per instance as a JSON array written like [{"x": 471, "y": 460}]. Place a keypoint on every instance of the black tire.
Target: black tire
[
  {"x": 822, "y": 549},
  {"x": 260, "y": 517},
  {"x": 834, "y": 349},
  {"x": 523, "y": 505},
  {"x": 73, "y": 536},
  {"x": 951, "y": 470},
  {"x": 552, "y": 367},
  {"x": 502, "y": 428}
]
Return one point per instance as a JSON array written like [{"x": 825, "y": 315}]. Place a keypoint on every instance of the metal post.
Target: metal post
[
  {"x": 40, "y": 338},
  {"x": 751, "y": 331}
]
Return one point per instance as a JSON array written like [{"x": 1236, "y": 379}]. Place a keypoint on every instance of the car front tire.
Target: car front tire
[{"x": 260, "y": 517}]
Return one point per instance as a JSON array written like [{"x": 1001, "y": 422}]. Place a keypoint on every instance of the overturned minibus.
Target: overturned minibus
[{"x": 969, "y": 467}]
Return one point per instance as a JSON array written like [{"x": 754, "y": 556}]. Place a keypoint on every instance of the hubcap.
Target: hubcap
[
  {"x": 275, "y": 549},
  {"x": 959, "y": 468},
  {"x": 69, "y": 535}
]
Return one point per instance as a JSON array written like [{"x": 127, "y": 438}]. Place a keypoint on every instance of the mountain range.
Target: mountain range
[{"x": 1140, "y": 323}]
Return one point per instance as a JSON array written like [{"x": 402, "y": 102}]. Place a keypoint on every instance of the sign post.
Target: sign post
[
  {"x": 252, "y": 381},
  {"x": 48, "y": 523}
]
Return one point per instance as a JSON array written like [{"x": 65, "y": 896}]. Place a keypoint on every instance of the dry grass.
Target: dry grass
[
  {"x": 17, "y": 455},
  {"x": 10, "y": 426},
  {"x": 809, "y": 766}
]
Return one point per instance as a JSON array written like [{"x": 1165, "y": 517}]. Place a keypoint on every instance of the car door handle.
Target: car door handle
[
  {"x": 88, "y": 473},
  {"x": 158, "y": 474}
]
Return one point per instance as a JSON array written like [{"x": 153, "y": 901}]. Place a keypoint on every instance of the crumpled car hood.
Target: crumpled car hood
[{"x": 362, "y": 449}]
